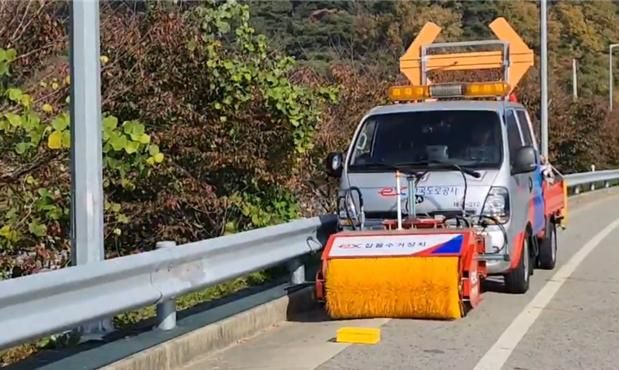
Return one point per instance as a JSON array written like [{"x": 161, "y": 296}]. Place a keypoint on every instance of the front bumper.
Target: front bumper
[{"x": 497, "y": 257}]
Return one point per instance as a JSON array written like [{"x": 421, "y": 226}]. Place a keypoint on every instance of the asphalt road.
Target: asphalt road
[{"x": 569, "y": 319}]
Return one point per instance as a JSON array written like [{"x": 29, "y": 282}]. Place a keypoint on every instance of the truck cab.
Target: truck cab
[
  {"x": 474, "y": 158},
  {"x": 495, "y": 139}
]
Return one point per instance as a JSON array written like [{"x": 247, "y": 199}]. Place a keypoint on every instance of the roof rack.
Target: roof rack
[{"x": 514, "y": 58}]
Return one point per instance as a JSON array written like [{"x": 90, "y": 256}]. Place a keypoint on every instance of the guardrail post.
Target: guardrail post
[
  {"x": 297, "y": 271},
  {"x": 166, "y": 310}
]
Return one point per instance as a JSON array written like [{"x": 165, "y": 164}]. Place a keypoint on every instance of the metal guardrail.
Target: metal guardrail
[
  {"x": 590, "y": 178},
  {"x": 50, "y": 302}
]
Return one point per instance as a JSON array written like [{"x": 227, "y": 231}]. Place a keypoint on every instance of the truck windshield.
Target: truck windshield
[{"x": 467, "y": 138}]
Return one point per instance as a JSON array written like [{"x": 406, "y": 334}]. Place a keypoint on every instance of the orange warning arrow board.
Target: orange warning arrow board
[
  {"x": 520, "y": 55},
  {"x": 410, "y": 62}
]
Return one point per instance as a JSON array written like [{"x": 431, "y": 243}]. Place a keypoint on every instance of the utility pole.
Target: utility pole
[
  {"x": 544, "y": 76},
  {"x": 86, "y": 143},
  {"x": 610, "y": 77},
  {"x": 574, "y": 80}
]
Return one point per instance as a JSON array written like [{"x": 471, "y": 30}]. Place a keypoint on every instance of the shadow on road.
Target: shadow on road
[
  {"x": 493, "y": 284},
  {"x": 310, "y": 311}
]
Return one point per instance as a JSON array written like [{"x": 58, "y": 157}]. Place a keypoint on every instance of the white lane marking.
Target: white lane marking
[{"x": 498, "y": 354}]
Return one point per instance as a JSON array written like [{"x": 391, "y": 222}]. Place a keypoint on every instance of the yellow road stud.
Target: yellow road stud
[{"x": 358, "y": 335}]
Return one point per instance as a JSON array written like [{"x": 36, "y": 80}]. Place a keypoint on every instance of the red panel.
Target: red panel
[
  {"x": 320, "y": 287},
  {"x": 554, "y": 197},
  {"x": 518, "y": 244},
  {"x": 474, "y": 270}
]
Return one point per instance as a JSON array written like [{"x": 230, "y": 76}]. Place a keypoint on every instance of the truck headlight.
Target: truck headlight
[{"x": 496, "y": 204}]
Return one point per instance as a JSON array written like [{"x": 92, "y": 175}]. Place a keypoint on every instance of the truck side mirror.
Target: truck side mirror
[
  {"x": 525, "y": 160},
  {"x": 334, "y": 164}
]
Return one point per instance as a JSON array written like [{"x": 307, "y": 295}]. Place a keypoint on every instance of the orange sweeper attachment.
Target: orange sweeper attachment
[
  {"x": 427, "y": 268},
  {"x": 414, "y": 268},
  {"x": 415, "y": 273}
]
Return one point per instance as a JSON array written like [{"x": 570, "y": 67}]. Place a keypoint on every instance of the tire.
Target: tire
[
  {"x": 548, "y": 248},
  {"x": 517, "y": 280}
]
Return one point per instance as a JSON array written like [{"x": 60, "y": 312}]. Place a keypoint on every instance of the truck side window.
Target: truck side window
[
  {"x": 513, "y": 134},
  {"x": 525, "y": 128},
  {"x": 365, "y": 143}
]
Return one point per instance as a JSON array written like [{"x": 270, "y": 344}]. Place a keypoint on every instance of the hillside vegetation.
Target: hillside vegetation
[{"x": 218, "y": 115}]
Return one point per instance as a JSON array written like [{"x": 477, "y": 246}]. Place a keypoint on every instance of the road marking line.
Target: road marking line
[{"x": 498, "y": 354}]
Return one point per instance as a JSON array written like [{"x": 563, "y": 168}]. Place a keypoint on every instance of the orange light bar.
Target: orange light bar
[
  {"x": 476, "y": 89},
  {"x": 408, "y": 93},
  {"x": 482, "y": 89}
]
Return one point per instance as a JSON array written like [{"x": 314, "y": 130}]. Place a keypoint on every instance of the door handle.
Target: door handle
[{"x": 530, "y": 184}]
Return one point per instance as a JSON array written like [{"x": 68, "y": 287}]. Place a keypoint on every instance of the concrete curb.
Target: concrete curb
[{"x": 180, "y": 351}]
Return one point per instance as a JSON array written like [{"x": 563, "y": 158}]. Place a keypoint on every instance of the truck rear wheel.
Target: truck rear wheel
[
  {"x": 517, "y": 280},
  {"x": 548, "y": 247}
]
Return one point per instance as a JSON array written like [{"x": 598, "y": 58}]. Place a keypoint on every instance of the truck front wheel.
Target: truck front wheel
[{"x": 517, "y": 280}]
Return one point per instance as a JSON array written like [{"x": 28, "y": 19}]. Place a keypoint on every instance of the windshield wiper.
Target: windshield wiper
[
  {"x": 440, "y": 164},
  {"x": 430, "y": 164},
  {"x": 373, "y": 166}
]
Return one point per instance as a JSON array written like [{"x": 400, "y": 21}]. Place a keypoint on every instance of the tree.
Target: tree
[{"x": 34, "y": 141}]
